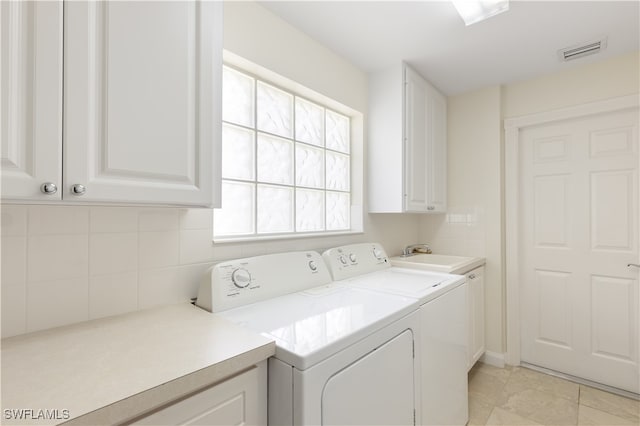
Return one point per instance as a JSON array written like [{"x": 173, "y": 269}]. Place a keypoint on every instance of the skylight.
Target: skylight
[{"x": 473, "y": 11}]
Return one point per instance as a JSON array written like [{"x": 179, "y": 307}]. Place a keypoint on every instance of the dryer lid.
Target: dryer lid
[{"x": 312, "y": 325}]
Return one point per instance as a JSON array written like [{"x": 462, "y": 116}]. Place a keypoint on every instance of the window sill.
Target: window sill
[{"x": 257, "y": 239}]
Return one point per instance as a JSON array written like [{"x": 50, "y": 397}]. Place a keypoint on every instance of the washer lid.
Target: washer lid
[
  {"x": 422, "y": 285},
  {"x": 312, "y": 325}
]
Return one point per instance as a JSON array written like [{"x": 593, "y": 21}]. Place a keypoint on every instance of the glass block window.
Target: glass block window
[{"x": 285, "y": 162}]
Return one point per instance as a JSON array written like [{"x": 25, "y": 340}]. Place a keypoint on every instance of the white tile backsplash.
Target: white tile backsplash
[
  {"x": 159, "y": 249},
  {"x": 170, "y": 285},
  {"x": 161, "y": 287},
  {"x": 461, "y": 232},
  {"x": 113, "y": 294},
  {"x": 190, "y": 277},
  {"x": 13, "y": 220},
  {"x": 196, "y": 246},
  {"x": 250, "y": 250},
  {"x": 114, "y": 219},
  {"x": 159, "y": 220},
  {"x": 13, "y": 277},
  {"x": 14, "y": 308},
  {"x": 64, "y": 264},
  {"x": 57, "y": 302},
  {"x": 111, "y": 253},
  {"x": 44, "y": 220},
  {"x": 14, "y": 259},
  {"x": 57, "y": 257},
  {"x": 196, "y": 219}
]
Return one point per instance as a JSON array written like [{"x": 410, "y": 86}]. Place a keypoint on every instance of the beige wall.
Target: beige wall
[
  {"x": 474, "y": 223},
  {"x": 618, "y": 76},
  {"x": 258, "y": 35},
  {"x": 472, "y": 226}
]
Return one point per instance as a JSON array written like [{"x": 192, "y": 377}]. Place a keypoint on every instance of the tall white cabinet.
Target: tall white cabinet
[
  {"x": 407, "y": 143},
  {"x": 129, "y": 113}
]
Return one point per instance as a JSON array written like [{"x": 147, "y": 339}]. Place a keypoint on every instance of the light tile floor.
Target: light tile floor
[{"x": 519, "y": 396}]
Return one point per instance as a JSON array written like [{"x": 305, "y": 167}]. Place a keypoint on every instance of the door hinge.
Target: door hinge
[{"x": 414, "y": 417}]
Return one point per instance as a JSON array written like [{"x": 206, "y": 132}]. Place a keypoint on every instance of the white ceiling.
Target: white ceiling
[{"x": 429, "y": 35}]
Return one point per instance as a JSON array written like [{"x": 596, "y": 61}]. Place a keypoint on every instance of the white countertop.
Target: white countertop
[
  {"x": 108, "y": 370},
  {"x": 439, "y": 263}
]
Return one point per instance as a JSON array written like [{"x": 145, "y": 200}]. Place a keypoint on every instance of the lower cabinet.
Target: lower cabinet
[
  {"x": 240, "y": 400},
  {"x": 476, "y": 346}
]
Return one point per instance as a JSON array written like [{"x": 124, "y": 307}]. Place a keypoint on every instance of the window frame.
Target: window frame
[{"x": 356, "y": 158}]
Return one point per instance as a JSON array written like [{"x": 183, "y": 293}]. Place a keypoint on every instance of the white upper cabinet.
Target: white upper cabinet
[
  {"x": 31, "y": 92},
  {"x": 425, "y": 145},
  {"x": 142, "y": 103},
  {"x": 407, "y": 143}
]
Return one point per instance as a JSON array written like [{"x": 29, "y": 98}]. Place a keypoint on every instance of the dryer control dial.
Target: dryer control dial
[
  {"x": 342, "y": 259},
  {"x": 353, "y": 258},
  {"x": 241, "y": 278}
]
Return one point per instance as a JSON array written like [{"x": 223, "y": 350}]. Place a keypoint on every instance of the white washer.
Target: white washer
[
  {"x": 443, "y": 323},
  {"x": 344, "y": 355}
]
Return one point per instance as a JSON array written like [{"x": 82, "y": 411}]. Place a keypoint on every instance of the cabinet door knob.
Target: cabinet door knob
[
  {"x": 431, "y": 208},
  {"x": 49, "y": 188},
  {"x": 78, "y": 189},
  {"x": 472, "y": 276}
]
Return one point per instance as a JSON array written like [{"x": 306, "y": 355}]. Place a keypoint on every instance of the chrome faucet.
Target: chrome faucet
[{"x": 410, "y": 250}]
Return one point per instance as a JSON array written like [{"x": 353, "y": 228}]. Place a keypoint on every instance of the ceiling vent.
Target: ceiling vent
[{"x": 584, "y": 49}]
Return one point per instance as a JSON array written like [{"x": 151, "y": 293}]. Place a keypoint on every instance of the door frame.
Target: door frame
[{"x": 512, "y": 129}]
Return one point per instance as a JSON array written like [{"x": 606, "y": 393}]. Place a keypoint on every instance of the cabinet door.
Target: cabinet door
[
  {"x": 415, "y": 142},
  {"x": 31, "y": 109},
  {"x": 142, "y": 86},
  {"x": 425, "y": 146},
  {"x": 241, "y": 400},
  {"x": 476, "y": 344},
  {"x": 436, "y": 151}
]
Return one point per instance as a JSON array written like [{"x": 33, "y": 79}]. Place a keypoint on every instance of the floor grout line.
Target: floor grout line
[{"x": 489, "y": 384}]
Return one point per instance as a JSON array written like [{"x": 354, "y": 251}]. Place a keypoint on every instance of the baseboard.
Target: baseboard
[
  {"x": 582, "y": 381},
  {"x": 493, "y": 358}
]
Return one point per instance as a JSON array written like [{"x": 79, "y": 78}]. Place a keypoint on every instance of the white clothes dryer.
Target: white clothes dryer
[
  {"x": 344, "y": 355},
  {"x": 443, "y": 324}
]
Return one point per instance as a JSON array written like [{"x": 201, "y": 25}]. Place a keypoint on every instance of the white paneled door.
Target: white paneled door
[{"x": 578, "y": 204}]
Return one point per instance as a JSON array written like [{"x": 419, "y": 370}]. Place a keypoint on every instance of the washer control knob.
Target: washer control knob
[
  {"x": 241, "y": 278},
  {"x": 313, "y": 266},
  {"x": 377, "y": 253},
  {"x": 353, "y": 258},
  {"x": 343, "y": 259}
]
